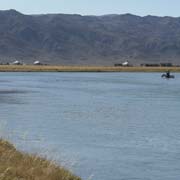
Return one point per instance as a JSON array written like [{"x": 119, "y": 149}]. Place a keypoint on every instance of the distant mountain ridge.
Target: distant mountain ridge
[{"x": 88, "y": 40}]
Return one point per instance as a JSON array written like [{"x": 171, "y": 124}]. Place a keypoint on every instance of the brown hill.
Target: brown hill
[{"x": 88, "y": 40}]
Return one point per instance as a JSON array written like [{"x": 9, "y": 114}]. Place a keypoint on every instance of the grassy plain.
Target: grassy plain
[
  {"x": 47, "y": 68},
  {"x": 15, "y": 165}
]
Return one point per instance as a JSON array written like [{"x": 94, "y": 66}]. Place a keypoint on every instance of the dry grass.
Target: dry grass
[
  {"x": 15, "y": 165},
  {"x": 31, "y": 68}
]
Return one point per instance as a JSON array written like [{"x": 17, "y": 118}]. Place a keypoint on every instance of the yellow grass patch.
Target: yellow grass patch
[
  {"x": 15, "y": 165},
  {"x": 41, "y": 68}
]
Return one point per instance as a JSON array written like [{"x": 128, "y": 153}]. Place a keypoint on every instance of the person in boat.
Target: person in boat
[{"x": 168, "y": 74}]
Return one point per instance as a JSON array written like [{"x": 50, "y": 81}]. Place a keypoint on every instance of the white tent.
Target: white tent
[
  {"x": 37, "y": 63},
  {"x": 126, "y": 63},
  {"x": 16, "y": 63}
]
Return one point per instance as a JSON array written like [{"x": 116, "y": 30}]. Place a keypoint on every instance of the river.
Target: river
[{"x": 102, "y": 126}]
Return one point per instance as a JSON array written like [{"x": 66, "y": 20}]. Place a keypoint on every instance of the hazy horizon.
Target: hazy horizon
[{"x": 97, "y": 8}]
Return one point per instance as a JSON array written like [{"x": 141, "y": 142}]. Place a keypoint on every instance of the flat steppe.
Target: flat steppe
[{"x": 47, "y": 68}]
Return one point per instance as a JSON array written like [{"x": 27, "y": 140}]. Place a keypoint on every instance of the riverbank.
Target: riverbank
[
  {"x": 47, "y": 68},
  {"x": 17, "y": 165}
]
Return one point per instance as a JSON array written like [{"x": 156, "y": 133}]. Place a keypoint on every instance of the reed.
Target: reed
[{"x": 15, "y": 165}]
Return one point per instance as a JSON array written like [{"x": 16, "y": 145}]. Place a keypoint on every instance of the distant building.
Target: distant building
[
  {"x": 37, "y": 63},
  {"x": 166, "y": 64},
  {"x": 126, "y": 63},
  {"x": 150, "y": 65},
  {"x": 16, "y": 63},
  {"x": 118, "y": 64}
]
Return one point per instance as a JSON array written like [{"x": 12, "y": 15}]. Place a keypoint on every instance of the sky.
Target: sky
[{"x": 95, "y": 7}]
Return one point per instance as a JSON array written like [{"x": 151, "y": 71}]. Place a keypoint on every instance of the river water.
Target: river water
[{"x": 102, "y": 126}]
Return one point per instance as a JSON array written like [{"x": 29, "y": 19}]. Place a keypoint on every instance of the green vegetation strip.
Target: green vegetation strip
[
  {"x": 30, "y": 68},
  {"x": 15, "y": 165}
]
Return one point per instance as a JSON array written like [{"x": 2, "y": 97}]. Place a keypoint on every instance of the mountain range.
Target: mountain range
[{"x": 72, "y": 39}]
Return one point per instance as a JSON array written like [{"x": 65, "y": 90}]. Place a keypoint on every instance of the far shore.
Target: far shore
[{"x": 59, "y": 68}]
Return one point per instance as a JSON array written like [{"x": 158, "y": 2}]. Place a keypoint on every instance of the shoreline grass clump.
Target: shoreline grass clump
[{"x": 15, "y": 165}]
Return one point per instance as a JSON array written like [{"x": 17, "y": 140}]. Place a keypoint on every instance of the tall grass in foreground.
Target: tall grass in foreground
[{"x": 15, "y": 165}]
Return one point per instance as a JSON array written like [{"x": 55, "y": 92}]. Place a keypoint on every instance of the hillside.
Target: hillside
[{"x": 88, "y": 40}]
